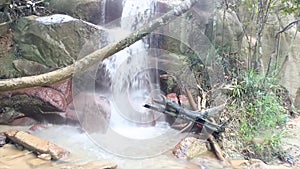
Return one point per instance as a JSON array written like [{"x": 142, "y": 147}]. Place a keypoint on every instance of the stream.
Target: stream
[{"x": 84, "y": 150}]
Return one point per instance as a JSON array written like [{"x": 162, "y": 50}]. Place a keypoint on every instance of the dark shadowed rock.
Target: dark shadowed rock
[
  {"x": 32, "y": 103},
  {"x": 52, "y": 100},
  {"x": 27, "y": 106},
  {"x": 24, "y": 121},
  {"x": 8, "y": 115},
  {"x": 2, "y": 139}
]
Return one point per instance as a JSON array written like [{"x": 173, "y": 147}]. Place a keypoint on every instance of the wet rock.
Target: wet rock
[
  {"x": 24, "y": 121},
  {"x": 92, "y": 111},
  {"x": 38, "y": 127},
  {"x": 44, "y": 156},
  {"x": 36, "y": 144},
  {"x": 88, "y": 10},
  {"x": 2, "y": 139},
  {"x": 190, "y": 148},
  {"x": 8, "y": 115}
]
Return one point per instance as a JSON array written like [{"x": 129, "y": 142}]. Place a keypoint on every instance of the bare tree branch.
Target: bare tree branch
[
  {"x": 276, "y": 46},
  {"x": 95, "y": 57}
]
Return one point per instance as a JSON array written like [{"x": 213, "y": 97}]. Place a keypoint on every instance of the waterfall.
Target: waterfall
[{"x": 132, "y": 82}]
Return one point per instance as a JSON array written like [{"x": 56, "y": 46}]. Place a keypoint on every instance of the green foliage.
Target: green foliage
[
  {"x": 290, "y": 6},
  {"x": 260, "y": 109},
  {"x": 285, "y": 6}
]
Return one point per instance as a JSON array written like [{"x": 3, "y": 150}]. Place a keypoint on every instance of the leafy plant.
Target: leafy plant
[
  {"x": 290, "y": 6},
  {"x": 260, "y": 109}
]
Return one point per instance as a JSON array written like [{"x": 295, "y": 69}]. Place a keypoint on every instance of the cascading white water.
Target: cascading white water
[{"x": 131, "y": 82}]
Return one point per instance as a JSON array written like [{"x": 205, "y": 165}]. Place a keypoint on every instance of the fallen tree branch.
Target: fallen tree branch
[{"x": 95, "y": 57}]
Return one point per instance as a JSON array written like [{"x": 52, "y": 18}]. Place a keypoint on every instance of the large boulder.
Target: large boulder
[
  {"x": 89, "y": 10},
  {"x": 57, "y": 40},
  {"x": 24, "y": 106}
]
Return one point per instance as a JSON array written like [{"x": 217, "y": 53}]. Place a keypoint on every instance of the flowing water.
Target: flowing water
[{"x": 132, "y": 83}]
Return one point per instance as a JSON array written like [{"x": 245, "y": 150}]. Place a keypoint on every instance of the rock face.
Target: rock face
[
  {"x": 56, "y": 41},
  {"x": 43, "y": 44},
  {"x": 88, "y": 10}
]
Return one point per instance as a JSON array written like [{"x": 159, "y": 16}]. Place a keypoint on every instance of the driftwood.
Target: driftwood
[
  {"x": 36, "y": 144},
  {"x": 95, "y": 57}
]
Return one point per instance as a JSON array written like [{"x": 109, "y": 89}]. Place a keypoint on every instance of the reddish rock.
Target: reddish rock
[
  {"x": 24, "y": 121},
  {"x": 36, "y": 144},
  {"x": 184, "y": 101},
  {"x": 65, "y": 87},
  {"x": 52, "y": 97},
  {"x": 38, "y": 127},
  {"x": 172, "y": 97}
]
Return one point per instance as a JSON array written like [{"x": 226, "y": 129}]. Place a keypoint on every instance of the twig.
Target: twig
[
  {"x": 192, "y": 104},
  {"x": 276, "y": 45}
]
